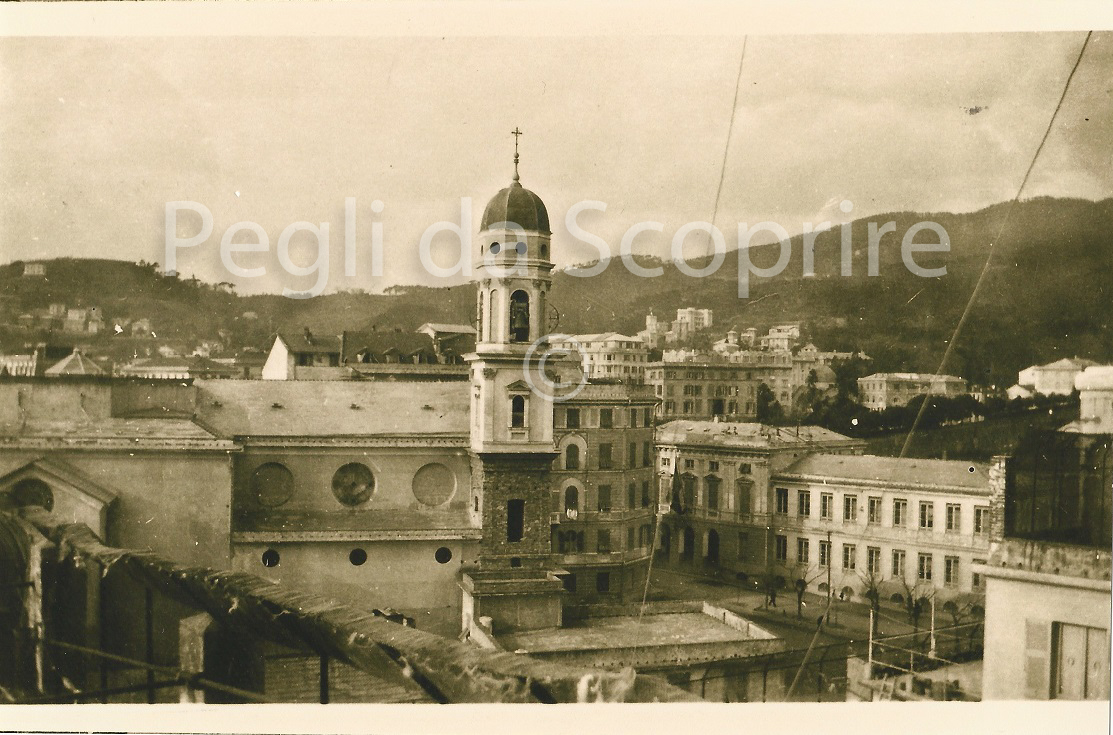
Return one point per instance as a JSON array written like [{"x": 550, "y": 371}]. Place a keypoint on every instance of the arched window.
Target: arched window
[
  {"x": 33, "y": 491},
  {"x": 519, "y": 316},
  {"x": 572, "y": 457},
  {"x": 518, "y": 412},
  {"x": 713, "y": 546},
  {"x": 571, "y": 501},
  {"x": 688, "y": 542}
]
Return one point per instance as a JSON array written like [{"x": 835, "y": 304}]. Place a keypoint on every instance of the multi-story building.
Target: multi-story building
[
  {"x": 654, "y": 332},
  {"x": 610, "y": 356},
  {"x": 781, "y": 337},
  {"x": 715, "y": 494},
  {"x": 604, "y": 490},
  {"x": 881, "y": 390},
  {"x": 897, "y": 527},
  {"x": 726, "y": 390},
  {"x": 1053, "y": 379},
  {"x": 693, "y": 319},
  {"x": 1047, "y": 576}
]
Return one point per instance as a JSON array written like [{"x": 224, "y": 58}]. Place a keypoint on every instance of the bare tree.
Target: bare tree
[
  {"x": 917, "y": 601},
  {"x": 802, "y": 576},
  {"x": 871, "y": 590}
]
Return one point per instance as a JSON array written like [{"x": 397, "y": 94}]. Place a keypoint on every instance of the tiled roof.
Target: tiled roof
[
  {"x": 924, "y": 473},
  {"x": 324, "y": 409},
  {"x": 725, "y": 433},
  {"x": 312, "y": 343}
]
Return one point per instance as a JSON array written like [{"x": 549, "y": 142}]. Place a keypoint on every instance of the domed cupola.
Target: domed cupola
[{"x": 516, "y": 205}]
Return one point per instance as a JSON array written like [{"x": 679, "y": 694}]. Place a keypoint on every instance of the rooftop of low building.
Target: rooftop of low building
[
  {"x": 652, "y": 630},
  {"x": 726, "y": 433}
]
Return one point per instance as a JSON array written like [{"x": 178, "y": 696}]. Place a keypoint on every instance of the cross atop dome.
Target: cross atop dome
[{"x": 516, "y": 133}]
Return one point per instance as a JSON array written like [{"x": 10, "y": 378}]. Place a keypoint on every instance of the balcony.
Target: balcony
[{"x": 897, "y": 535}]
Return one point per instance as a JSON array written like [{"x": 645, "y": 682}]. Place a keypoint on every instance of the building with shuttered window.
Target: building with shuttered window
[{"x": 1048, "y": 576}]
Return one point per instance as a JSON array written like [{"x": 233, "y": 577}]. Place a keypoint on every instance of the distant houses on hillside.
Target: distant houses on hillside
[{"x": 1053, "y": 379}]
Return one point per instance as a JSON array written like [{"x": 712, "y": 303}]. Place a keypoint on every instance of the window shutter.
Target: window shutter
[{"x": 1037, "y": 659}]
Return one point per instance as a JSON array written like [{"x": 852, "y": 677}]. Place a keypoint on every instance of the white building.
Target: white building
[
  {"x": 608, "y": 355},
  {"x": 1053, "y": 379},
  {"x": 781, "y": 337},
  {"x": 881, "y": 390},
  {"x": 898, "y": 526},
  {"x": 1095, "y": 387}
]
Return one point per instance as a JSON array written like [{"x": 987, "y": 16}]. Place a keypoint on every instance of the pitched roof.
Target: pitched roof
[
  {"x": 307, "y": 342},
  {"x": 380, "y": 343},
  {"x": 906, "y": 472},
  {"x": 325, "y": 409},
  {"x": 751, "y": 435},
  {"x": 133, "y": 433},
  {"x": 447, "y": 328},
  {"x": 909, "y": 376},
  {"x": 75, "y": 364},
  {"x": 1069, "y": 363},
  {"x": 192, "y": 363}
]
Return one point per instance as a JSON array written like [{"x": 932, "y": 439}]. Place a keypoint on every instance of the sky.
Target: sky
[{"x": 100, "y": 133}]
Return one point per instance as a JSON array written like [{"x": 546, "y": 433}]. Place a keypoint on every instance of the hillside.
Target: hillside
[{"x": 1045, "y": 295}]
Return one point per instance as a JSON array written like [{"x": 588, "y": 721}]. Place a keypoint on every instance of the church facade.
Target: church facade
[{"x": 449, "y": 501}]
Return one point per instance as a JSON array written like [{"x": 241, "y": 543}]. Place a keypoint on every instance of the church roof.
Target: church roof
[
  {"x": 518, "y": 205},
  {"x": 292, "y": 408}
]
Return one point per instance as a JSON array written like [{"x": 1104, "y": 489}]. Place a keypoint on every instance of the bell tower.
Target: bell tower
[{"x": 512, "y": 446}]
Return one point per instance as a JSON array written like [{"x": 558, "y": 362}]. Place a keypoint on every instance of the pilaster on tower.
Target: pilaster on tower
[{"x": 513, "y": 585}]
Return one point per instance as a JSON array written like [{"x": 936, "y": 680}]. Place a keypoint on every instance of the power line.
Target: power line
[
  {"x": 1000, "y": 232},
  {"x": 730, "y": 131}
]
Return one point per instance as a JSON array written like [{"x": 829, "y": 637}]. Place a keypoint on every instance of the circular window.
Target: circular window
[
  {"x": 270, "y": 558},
  {"x": 33, "y": 491},
  {"x": 357, "y": 557},
  {"x": 272, "y": 484},
  {"x": 495, "y": 247},
  {"x": 353, "y": 484},
  {"x": 521, "y": 248},
  {"x": 443, "y": 555},
  {"x": 434, "y": 484}
]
